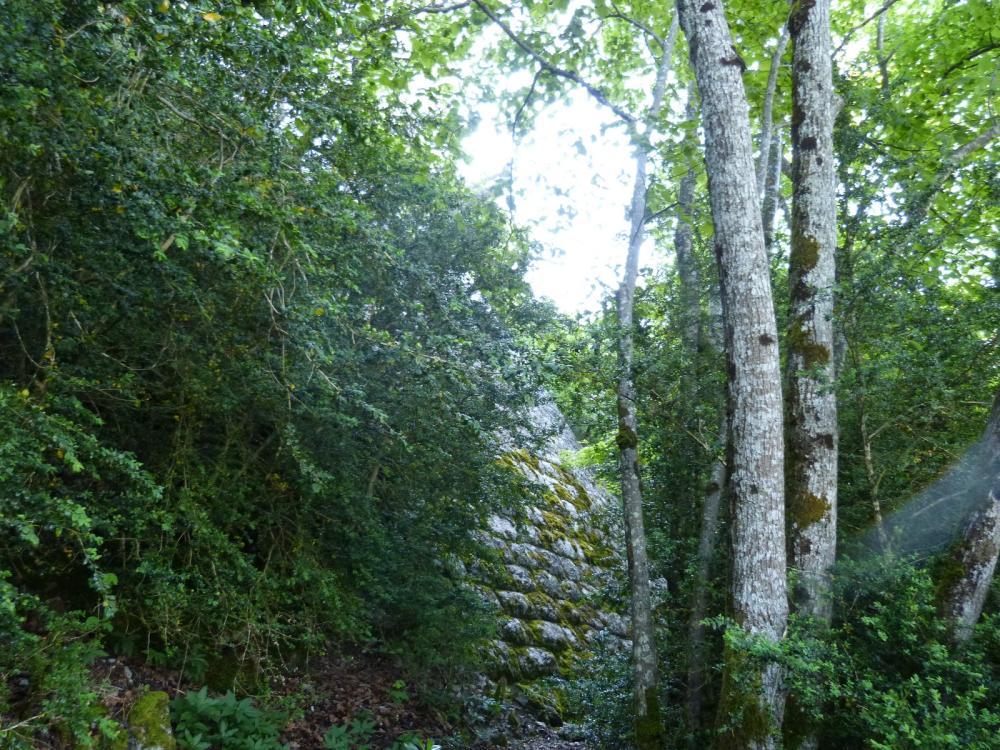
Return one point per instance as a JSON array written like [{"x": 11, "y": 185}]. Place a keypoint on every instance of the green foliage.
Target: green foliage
[
  {"x": 887, "y": 676},
  {"x": 203, "y": 722},
  {"x": 45, "y": 664},
  {"x": 354, "y": 735},
  {"x": 600, "y": 697},
  {"x": 357, "y": 733},
  {"x": 414, "y": 741},
  {"x": 398, "y": 692},
  {"x": 253, "y": 333}
]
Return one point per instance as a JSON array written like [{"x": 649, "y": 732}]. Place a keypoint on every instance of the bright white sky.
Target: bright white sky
[{"x": 574, "y": 203}]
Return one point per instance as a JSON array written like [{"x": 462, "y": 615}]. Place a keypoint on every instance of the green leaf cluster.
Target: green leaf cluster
[{"x": 202, "y": 722}]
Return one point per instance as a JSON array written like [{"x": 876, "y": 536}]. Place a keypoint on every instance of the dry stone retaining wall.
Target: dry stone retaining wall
[{"x": 554, "y": 564}]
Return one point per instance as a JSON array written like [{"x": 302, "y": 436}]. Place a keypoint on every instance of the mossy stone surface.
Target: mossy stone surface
[
  {"x": 149, "y": 723},
  {"x": 554, "y": 566}
]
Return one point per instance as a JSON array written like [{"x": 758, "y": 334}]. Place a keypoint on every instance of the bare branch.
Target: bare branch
[
  {"x": 513, "y": 135},
  {"x": 847, "y": 37},
  {"x": 657, "y": 214},
  {"x": 441, "y": 8},
  {"x": 555, "y": 70},
  {"x": 980, "y": 141},
  {"x": 637, "y": 24},
  {"x": 525, "y": 102},
  {"x": 189, "y": 118}
]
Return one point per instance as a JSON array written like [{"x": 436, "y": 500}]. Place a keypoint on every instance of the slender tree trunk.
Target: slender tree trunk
[
  {"x": 845, "y": 258},
  {"x": 690, "y": 291},
  {"x": 687, "y": 265},
  {"x": 648, "y": 723},
  {"x": 769, "y": 206},
  {"x": 751, "y": 703},
  {"x": 812, "y": 445},
  {"x": 883, "y": 62},
  {"x": 697, "y": 673},
  {"x": 767, "y": 114},
  {"x": 872, "y": 475},
  {"x": 976, "y": 555}
]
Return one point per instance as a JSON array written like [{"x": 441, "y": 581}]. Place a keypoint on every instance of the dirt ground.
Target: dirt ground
[{"x": 334, "y": 690}]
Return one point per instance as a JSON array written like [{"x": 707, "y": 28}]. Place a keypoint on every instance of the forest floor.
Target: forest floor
[
  {"x": 547, "y": 740},
  {"x": 334, "y": 690}
]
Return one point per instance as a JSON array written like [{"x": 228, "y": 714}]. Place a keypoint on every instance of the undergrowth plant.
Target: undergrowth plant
[{"x": 204, "y": 722}]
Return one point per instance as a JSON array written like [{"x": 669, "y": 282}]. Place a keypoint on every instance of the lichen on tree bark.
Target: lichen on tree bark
[{"x": 756, "y": 474}]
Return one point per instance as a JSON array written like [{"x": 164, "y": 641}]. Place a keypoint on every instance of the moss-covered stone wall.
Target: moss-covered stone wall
[{"x": 554, "y": 565}]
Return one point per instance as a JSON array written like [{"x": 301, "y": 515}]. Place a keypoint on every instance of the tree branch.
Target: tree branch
[
  {"x": 847, "y": 37},
  {"x": 525, "y": 102},
  {"x": 637, "y": 24},
  {"x": 767, "y": 116},
  {"x": 975, "y": 144},
  {"x": 948, "y": 165},
  {"x": 658, "y": 214},
  {"x": 555, "y": 70},
  {"x": 441, "y": 8},
  {"x": 970, "y": 57}
]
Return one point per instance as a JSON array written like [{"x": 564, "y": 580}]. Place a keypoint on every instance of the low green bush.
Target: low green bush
[
  {"x": 204, "y": 722},
  {"x": 887, "y": 675}
]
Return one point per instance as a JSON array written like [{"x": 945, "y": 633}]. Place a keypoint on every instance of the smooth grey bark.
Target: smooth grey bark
[
  {"x": 812, "y": 427},
  {"x": 767, "y": 114},
  {"x": 883, "y": 61},
  {"x": 769, "y": 206},
  {"x": 976, "y": 554},
  {"x": 648, "y": 724},
  {"x": 751, "y": 704},
  {"x": 874, "y": 480}
]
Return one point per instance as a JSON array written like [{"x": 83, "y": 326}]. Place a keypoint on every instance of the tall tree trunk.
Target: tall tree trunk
[
  {"x": 812, "y": 445},
  {"x": 751, "y": 702},
  {"x": 690, "y": 291},
  {"x": 769, "y": 205},
  {"x": 976, "y": 555},
  {"x": 649, "y": 732}
]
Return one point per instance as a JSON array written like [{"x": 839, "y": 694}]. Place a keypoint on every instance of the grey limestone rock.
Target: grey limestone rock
[
  {"x": 554, "y": 637},
  {"x": 556, "y": 558},
  {"x": 514, "y": 603},
  {"x": 514, "y": 631},
  {"x": 535, "y": 662}
]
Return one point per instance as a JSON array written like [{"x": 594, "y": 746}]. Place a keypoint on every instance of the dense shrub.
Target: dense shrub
[
  {"x": 256, "y": 344},
  {"x": 887, "y": 675}
]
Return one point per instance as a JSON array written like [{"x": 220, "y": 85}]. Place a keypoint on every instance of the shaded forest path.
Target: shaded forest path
[{"x": 548, "y": 739}]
